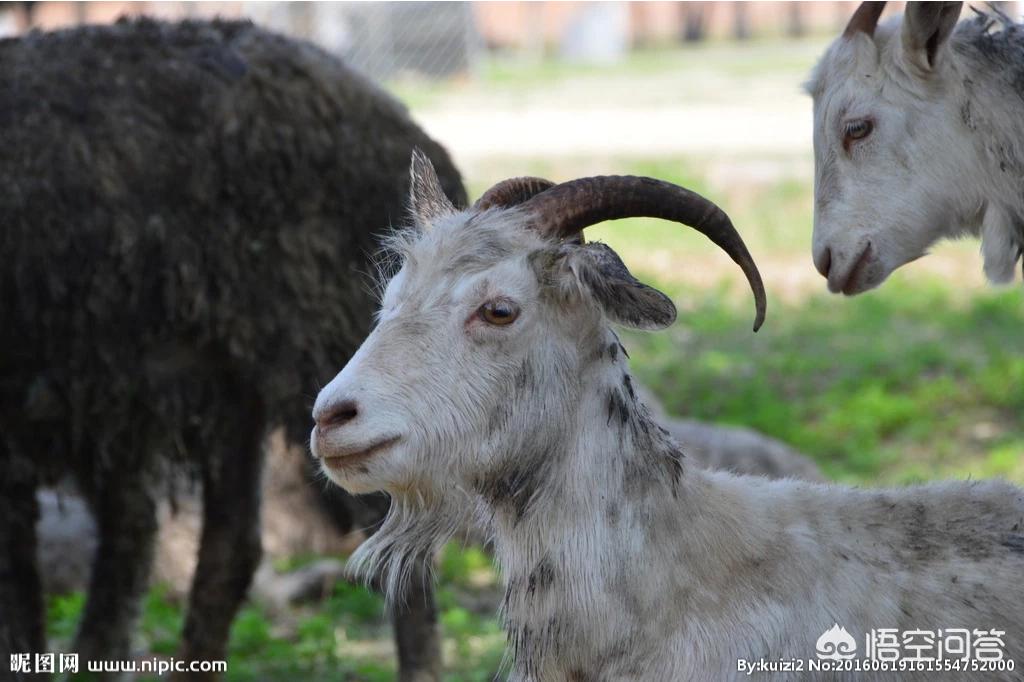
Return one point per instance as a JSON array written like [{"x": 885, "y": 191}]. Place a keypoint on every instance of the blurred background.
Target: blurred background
[{"x": 921, "y": 379}]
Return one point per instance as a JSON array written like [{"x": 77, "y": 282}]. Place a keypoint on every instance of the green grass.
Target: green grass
[
  {"x": 905, "y": 383},
  {"x": 344, "y": 638},
  {"x": 682, "y": 73}
]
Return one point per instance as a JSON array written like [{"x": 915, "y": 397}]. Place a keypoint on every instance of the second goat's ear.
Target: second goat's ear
[
  {"x": 624, "y": 299},
  {"x": 927, "y": 27},
  {"x": 427, "y": 199}
]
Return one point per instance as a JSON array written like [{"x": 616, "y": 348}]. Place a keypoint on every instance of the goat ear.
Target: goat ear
[
  {"x": 926, "y": 28},
  {"x": 624, "y": 300},
  {"x": 426, "y": 198}
]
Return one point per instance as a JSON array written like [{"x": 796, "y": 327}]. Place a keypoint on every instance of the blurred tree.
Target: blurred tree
[
  {"x": 300, "y": 17},
  {"x": 795, "y": 27},
  {"x": 740, "y": 21},
  {"x": 24, "y": 13},
  {"x": 695, "y": 16}
]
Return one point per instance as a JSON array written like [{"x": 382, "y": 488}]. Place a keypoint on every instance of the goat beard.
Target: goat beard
[{"x": 403, "y": 549}]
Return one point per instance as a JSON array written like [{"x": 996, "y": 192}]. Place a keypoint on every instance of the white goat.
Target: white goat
[
  {"x": 918, "y": 135},
  {"x": 493, "y": 384}
]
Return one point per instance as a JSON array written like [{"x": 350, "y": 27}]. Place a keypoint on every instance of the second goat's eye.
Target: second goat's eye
[
  {"x": 857, "y": 130},
  {"x": 499, "y": 312}
]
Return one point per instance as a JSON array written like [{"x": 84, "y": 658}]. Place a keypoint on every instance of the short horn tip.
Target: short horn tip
[{"x": 759, "y": 318}]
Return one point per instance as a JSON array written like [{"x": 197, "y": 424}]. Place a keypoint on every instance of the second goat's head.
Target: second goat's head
[
  {"x": 493, "y": 327},
  {"x": 891, "y": 150}
]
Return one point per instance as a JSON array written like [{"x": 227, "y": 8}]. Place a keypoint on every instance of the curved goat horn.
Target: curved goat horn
[
  {"x": 568, "y": 208},
  {"x": 864, "y": 19},
  {"x": 512, "y": 192}
]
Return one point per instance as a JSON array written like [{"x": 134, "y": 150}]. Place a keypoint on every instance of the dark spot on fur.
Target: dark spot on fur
[
  {"x": 1014, "y": 542},
  {"x": 541, "y": 577},
  {"x": 636, "y": 479},
  {"x": 617, "y": 407},
  {"x": 674, "y": 467},
  {"x": 499, "y": 416},
  {"x": 522, "y": 644},
  {"x": 613, "y": 513},
  {"x": 919, "y": 534},
  {"x": 627, "y": 381},
  {"x": 532, "y": 644},
  {"x": 512, "y": 490},
  {"x": 618, "y": 347},
  {"x": 931, "y": 536},
  {"x": 989, "y": 51},
  {"x": 522, "y": 382},
  {"x": 623, "y": 587},
  {"x": 657, "y": 458},
  {"x": 524, "y": 377},
  {"x": 967, "y": 117},
  {"x": 512, "y": 587}
]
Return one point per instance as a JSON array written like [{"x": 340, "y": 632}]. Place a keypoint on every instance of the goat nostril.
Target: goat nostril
[
  {"x": 824, "y": 263},
  {"x": 338, "y": 414}
]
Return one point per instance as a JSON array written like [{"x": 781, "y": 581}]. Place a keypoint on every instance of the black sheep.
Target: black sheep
[{"x": 186, "y": 214}]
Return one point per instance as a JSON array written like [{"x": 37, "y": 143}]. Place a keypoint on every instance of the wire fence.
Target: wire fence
[
  {"x": 388, "y": 40},
  {"x": 384, "y": 40}
]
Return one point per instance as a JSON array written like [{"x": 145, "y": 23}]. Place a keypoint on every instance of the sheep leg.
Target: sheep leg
[
  {"x": 416, "y": 634},
  {"x": 21, "y": 604},
  {"x": 230, "y": 548},
  {"x": 127, "y": 523}
]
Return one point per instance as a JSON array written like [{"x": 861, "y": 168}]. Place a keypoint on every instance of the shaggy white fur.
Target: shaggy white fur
[{"x": 622, "y": 561}]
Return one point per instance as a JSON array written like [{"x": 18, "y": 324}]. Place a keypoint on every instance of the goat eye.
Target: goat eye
[
  {"x": 499, "y": 312},
  {"x": 859, "y": 129}
]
